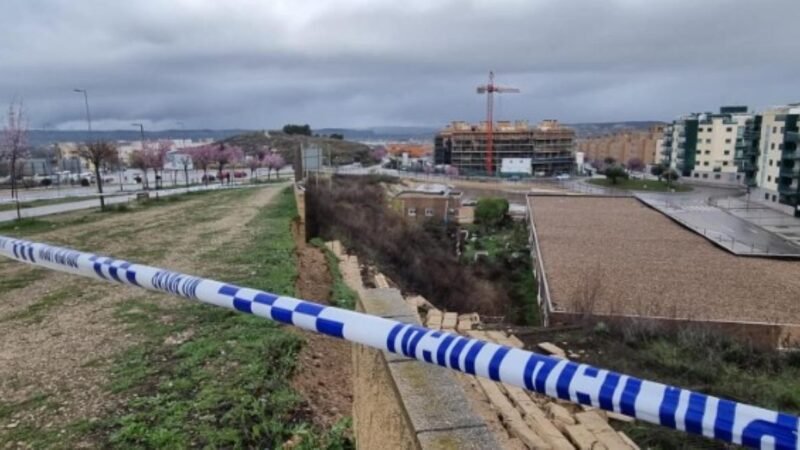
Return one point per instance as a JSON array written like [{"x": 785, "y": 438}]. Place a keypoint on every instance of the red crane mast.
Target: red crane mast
[{"x": 489, "y": 90}]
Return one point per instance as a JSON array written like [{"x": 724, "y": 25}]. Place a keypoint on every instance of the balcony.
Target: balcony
[
  {"x": 792, "y": 172},
  {"x": 788, "y": 189},
  {"x": 747, "y": 166},
  {"x": 552, "y": 159}
]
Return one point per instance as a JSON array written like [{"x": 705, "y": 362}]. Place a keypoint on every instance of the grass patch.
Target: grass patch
[
  {"x": 640, "y": 185},
  {"x": 42, "y": 202},
  {"x": 208, "y": 377},
  {"x": 36, "y": 312},
  {"x": 341, "y": 294},
  {"x": 34, "y": 225},
  {"x": 21, "y": 279}
]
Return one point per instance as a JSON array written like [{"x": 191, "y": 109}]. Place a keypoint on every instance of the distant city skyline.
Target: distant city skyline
[{"x": 358, "y": 64}]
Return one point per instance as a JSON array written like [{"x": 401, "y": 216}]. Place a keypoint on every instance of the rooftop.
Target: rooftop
[{"x": 617, "y": 256}]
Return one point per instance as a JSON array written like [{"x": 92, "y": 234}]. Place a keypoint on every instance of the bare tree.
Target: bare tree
[
  {"x": 100, "y": 153},
  {"x": 13, "y": 145}
]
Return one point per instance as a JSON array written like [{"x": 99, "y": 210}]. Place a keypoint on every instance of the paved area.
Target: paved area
[
  {"x": 94, "y": 203},
  {"x": 728, "y": 231},
  {"x": 774, "y": 221}
]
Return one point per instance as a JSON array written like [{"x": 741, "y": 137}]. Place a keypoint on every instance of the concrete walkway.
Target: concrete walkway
[
  {"x": 774, "y": 221},
  {"x": 111, "y": 200},
  {"x": 728, "y": 231}
]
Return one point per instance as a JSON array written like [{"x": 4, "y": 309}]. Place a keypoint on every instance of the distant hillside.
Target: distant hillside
[
  {"x": 38, "y": 138},
  {"x": 382, "y": 133},
  {"x": 342, "y": 151}
]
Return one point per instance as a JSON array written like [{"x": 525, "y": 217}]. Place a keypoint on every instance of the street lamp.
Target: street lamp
[
  {"x": 86, "y": 101},
  {"x": 141, "y": 130}
]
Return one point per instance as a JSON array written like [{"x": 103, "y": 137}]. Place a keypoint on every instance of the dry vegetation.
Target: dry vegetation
[
  {"x": 355, "y": 211},
  {"x": 614, "y": 255}
]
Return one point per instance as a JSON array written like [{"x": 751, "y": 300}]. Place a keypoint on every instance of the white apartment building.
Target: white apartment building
[
  {"x": 702, "y": 146},
  {"x": 776, "y": 179}
]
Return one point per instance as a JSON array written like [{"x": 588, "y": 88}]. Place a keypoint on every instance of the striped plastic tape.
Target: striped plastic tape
[{"x": 648, "y": 401}]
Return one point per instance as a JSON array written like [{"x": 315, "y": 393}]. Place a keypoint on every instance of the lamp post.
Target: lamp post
[
  {"x": 86, "y": 101},
  {"x": 141, "y": 130},
  {"x": 88, "y": 116}
]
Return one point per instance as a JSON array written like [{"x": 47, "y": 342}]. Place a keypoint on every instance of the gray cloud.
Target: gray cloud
[{"x": 256, "y": 64}]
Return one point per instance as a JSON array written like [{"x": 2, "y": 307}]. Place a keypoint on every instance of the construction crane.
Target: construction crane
[{"x": 489, "y": 90}]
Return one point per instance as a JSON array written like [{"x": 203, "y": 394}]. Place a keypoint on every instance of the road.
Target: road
[{"x": 113, "y": 187}]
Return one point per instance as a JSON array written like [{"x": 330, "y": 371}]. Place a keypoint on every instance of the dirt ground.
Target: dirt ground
[
  {"x": 58, "y": 333},
  {"x": 324, "y": 372}
]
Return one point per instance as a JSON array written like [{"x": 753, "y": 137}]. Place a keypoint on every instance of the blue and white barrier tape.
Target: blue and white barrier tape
[{"x": 656, "y": 403}]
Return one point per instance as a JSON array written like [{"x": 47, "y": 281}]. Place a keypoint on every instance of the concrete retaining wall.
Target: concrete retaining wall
[{"x": 402, "y": 403}]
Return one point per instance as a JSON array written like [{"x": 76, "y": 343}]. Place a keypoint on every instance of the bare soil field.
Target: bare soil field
[{"x": 617, "y": 256}]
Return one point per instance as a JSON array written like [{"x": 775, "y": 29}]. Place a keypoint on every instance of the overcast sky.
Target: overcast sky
[{"x": 356, "y": 63}]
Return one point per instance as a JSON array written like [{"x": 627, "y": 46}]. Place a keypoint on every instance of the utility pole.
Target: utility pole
[{"x": 141, "y": 130}]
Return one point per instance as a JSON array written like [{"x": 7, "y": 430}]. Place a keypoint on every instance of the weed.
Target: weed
[
  {"x": 341, "y": 294},
  {"x": 21, "y": 279}
]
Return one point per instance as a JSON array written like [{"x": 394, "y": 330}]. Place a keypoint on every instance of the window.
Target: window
[
  {"x": 769, "y": 178},
  {"x": 412, "y": 212},
  {"x": 724, "y": 163},
  {"x": 774, "y": 129},
  {"x": 705, "y": 163},
  {"x": 727, "y": 141},
  {"x": 782, "y": 129},
  {"x": 727, "y": 152},
  {"x": 708, "y": 141},
  {"x": 773, "y": 197},
  {"x": 766, "y": 196},
  {"x": 772, "y": 146},
  {"x": 716, "y": 176},
  {"x": 696, "y": 175},
  {"x": 708, "y": 152},
  {"x": 770, "y": 162},
  {"x": 729, "y": 129},
  {"x": 705, "y": 175},
  {"x": 428, "y": 212}
]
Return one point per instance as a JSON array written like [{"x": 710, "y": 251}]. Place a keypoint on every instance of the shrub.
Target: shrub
[
  {"x": 491, "y": 211},
  {"x": 355, "y": 211},
  {"x": 615, "y": 173}
]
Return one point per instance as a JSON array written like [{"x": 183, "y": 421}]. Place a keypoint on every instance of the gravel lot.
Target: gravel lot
[{"x": 617, "y": 256}]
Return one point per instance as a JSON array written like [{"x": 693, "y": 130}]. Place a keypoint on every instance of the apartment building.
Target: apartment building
[
  {"x": 774, "y": 169},
  {"x": 703, "y": 146},
  {"x": 549, "y": 146},
  {"x": 626, "y": 145}
]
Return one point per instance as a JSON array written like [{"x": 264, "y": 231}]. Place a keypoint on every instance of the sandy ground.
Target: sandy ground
[
  {"x": 615, "y": 255},
  {"x": 63, "y": 353}
]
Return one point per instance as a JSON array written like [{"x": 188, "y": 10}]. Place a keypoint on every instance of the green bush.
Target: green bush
[
  {"x": 615, "y": 173},
  {"x": 491, "y": 211}
]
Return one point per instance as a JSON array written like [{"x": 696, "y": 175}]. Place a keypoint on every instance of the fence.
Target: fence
[{"x": 648, "y": 401}]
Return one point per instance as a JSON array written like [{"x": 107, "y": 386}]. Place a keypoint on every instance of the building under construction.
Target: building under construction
[{"x": 544, "y": 150}]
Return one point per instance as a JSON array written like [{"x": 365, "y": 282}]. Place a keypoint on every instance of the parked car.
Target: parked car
[
  {"x": 240, "y": 174},
  {"x": 208, "y": 178},
  {"x": 562, "y": 176}
]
